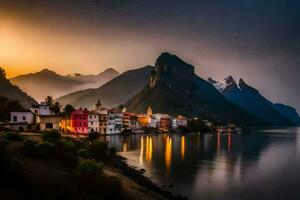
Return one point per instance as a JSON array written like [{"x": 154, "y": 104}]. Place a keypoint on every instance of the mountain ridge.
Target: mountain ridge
[
  {"x": 251, "y": 100},
  {"x": 174, "y": 88}
]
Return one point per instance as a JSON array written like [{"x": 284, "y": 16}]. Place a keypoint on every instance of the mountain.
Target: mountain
[
  {"x": 46, "y": 82},
  {"x": 175, "y": 89},
  {"x": 289, "y": 112},
  {"x": 14, "y": 93},
  {"x": 113, "y": 93},
  {"x": 95, "y": 81},
  {"x": 251, "y": 100}
]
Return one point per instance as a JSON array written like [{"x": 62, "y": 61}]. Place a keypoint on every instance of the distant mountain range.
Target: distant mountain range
[
  {"x": 251, "y": 100},
  {"x": 8, "y": 90},
  {"x": 113, "y": 93},
  {"x": 48, "y": 83},
  {"x": 175, "y": 89}
]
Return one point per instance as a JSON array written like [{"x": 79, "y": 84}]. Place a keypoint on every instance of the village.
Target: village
[{"x": 101, "y": 120}]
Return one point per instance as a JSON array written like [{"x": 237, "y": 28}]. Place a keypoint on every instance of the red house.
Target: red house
[{"x": 79, "y": 121}]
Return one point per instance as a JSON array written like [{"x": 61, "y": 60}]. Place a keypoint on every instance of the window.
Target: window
[
  {"x": 49, "y": 125},
  {"x": 80, "y": 124},
  {"x": 24, "y": 118},
  {"x": 15, "y": 118},
  {"x": 92, "y": 123}
]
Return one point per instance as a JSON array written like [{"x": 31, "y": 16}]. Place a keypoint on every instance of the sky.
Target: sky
[{"x": 257, "y": 40}]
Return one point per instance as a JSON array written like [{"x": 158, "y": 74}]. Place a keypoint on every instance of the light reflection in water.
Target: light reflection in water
[
  {"x": 148, "y": 148},
  {"x": 125, "y": 147},
  {"x": 168, "y": 153},
  {"x": 182, "y": 147},
  {"x": 218, "y": 141},
  {"x": 229, "y": 142},
  {"x": 142, "y": 151}
]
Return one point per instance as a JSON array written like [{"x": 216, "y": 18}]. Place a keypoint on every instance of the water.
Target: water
[{"x": 264, "y": 164}]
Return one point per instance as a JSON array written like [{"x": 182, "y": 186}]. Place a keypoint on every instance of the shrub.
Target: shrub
[
  {"x": 83, "y": 152},
  {"x": 44, "y": 150},
  {"x": 90, "y": 167},
  {"x": 98, "y": 150},
  {"x": 13, "y": 136},
  {"x": 67, "y": 153},
  {"x": 29, "y": 146},
  {"x": 53, "y": 136},
  {"x": 93, "y": 136},
  {"x": 112, "y": 152}
]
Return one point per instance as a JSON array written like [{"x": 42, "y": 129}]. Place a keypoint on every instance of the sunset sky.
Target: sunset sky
[{"x": 257, "y": 40}]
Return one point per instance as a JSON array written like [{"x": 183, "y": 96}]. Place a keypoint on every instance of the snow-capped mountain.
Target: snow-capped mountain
[{"x": 251, "y": 100}]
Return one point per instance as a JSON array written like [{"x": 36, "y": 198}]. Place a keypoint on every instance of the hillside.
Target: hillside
[
  {"x": 251, "y": 100},
  {"x": 289, "y": 112},
  {"x": 8, "y": 90},
  {"x": 46, "y": 82},
  {"x": 113, "y": 93},
  {"x": 175, "y": 89}
]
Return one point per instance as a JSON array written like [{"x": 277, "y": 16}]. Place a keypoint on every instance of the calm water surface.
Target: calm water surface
[{"x": 264, "y": 164}]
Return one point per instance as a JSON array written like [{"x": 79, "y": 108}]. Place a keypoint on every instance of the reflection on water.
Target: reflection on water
[
  {"x": 262, "y": 165},
  {"x": 182, "y": 147}
]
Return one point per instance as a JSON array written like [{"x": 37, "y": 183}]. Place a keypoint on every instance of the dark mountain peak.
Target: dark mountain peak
[
  {"x": 230, "y": 81},
  {"x": 171, "y": 70},
  {"x": 242, "y": 83},
  {"x": 245, "y": 87},
  {"x": 211, "y": 81}
]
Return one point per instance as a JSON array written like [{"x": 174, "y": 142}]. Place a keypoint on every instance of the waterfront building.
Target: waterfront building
[
  {"x": 179, "y": 121},
  {"x": 114, "y": 122}
]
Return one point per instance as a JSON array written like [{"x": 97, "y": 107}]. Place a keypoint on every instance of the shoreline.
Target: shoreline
[{"x": 139, "y": 178}]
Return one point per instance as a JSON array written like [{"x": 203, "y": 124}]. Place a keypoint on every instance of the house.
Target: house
[
  {"x": 41, "y": 109},
  {"x": 93, "y": 122},
  {"x": 79, "y": 121},
  {"x": 103, "y": 116},
  {"x": 179, "y": 121},
  {"x": 65, "y": 125},
  {"x": 22, "y": 121},
  {"x": 144, "y": 120},
  {"x": 114, "y": 122},
  {"x": 48, "y": 122},
  {"x": 163, "y": 121}
]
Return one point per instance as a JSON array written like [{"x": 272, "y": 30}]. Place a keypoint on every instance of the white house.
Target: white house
[
  {"x": 22, "y": 121},
  {"x": 114, "y": 122},
  {"x": 93, "y": 122},
  {"x": 41, "y": 109}
]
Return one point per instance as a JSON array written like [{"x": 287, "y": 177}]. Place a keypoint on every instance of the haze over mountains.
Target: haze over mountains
[
  {"x": 251, "y": 100},
  {"x": 48, "y": 83},
  {"x": 113, "y": 93}
]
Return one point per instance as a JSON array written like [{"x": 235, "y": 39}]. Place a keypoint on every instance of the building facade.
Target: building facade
[
  {"x": 79, "y": 121},
  {"x": 93, "y": 122},
  {"x": 22, "y": 121}
]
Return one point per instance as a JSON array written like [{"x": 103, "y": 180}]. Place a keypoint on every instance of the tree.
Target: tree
[
  {"x": 2, "y": 73},
  {"x": 56, "y": 107},
  {"x": 68, "y": 109},
  {"x": 49, "y": 101}
]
